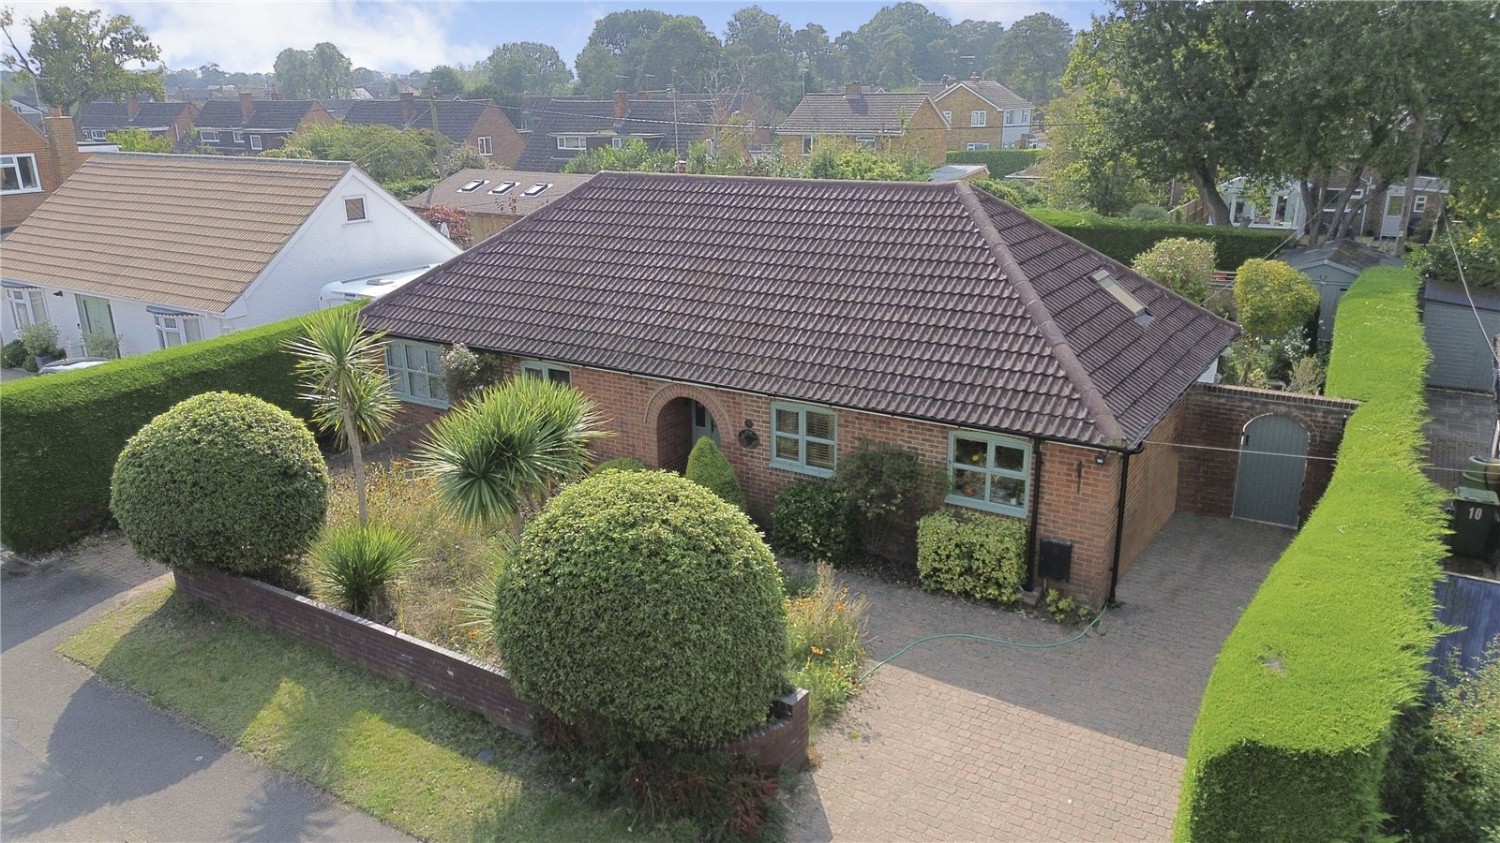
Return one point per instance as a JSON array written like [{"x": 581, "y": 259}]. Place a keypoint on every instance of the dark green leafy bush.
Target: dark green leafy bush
[
  {"x": 1123, "y": 239},
  {"x": 1297, "y": 716},
  {"x": 1001, "y": 162},
  {"x": 1182, "y": 265},
  {"x": 1475, "y": 246},
  {"x": 889, "y": 488},
  {"x": 221, "y": 481},
  {"x": 813, "y": 520},
  {"x": 707, "y": 467},
  {"x": 14, "y": 354},
  {"x": 1273, "y": 298},
  {"x": 974, "y": 555},
  {"x": 60, "y": 435},
  {"x": 1149, "y": 212},
  {"x": 466, "y": 372},
  {"x": 645, "y": 607},
  {"x": 355, "y": 566}
]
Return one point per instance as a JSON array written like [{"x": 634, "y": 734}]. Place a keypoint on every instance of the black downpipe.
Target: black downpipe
[
  {"x": 1036, "y": 515},
  {"x": 1114, "y": 569}
]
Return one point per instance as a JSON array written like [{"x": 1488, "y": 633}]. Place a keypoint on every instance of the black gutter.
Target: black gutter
[
  {"x": 1114, "y": 568},
  {"x": 1036, "y": 515}
]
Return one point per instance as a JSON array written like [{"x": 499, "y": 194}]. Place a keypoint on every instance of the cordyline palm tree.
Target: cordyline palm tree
[
  {"x": 343, "y": 370},
  {"x": 507, "y": 448}
]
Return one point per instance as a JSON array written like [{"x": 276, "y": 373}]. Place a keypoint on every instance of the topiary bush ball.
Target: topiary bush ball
[
  {"x": 223, "y": 481},
  {"x": 643, "y": 604}
]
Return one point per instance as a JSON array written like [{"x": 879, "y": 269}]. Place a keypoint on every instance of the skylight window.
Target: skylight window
[
  {"x": 471, "y": 186},
  {"x": 502, "y": 187},
  {"x": 536, "y": 189},
  {"x": 1112, "y": 286}
]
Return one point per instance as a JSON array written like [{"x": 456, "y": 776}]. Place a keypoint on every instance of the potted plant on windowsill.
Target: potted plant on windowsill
[{"x": 40, "y": 340}]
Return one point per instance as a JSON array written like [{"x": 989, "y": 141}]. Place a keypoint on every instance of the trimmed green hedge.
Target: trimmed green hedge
[
  {"x": 973, "y": 555},
  {"x": 1123, "y": 239},
  {"x": 1295, "y": 723},
  {"x": 1002, "y": 162},
  {"x": 60, "y": 434}
]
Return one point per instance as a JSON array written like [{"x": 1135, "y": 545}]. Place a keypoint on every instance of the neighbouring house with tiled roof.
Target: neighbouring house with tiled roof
[
  {"x": 248, "y": 125},
  {"x": 902, "y": 123},
  {"x": 793, "y": 320},
  {"x": 148, "y": 251},
  {"x": 158, "y": 119},
  {"x": 496, "y": 199},
  {"x": 476, "y": 123},
  {"x": 984, "y": 114},
  {"x": 33, "y": 164},
  {"x": 559, "y": 129}
]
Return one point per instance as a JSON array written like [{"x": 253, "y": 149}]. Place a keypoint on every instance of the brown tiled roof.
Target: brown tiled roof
[
  {"x": 875, "y": 113},
  {"x": 513, "y": 202},
  {"x": 182, "y": 230},
  {"x": 994, "y": 93},
  {"x": 930, "y": 301},
  {"x": 267, "y": 115},
  {"x": 456, "y": 118}
]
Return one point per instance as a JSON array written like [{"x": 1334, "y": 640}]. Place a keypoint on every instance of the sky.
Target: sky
[{"x": 246, "y": 35}]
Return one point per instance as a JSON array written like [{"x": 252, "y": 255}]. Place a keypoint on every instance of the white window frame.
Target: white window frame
[
  {"x": 174, "y": 329},
  {"x": 486, "y": 146},
  {"x": 364, "y": 210},
  {"x": 802, "y": 438},
  {"x": 416, "y": 384},
  {"x": 866, "y": 142},
  {"x": 990, "y": 472},
  {"x": 208, "y": 135},
  {"x": 24, "y": 303},
  {"x": 574, "y": 143},
  {"x": 977, "y": 146},
  {"x": 239, "y": 136},
  {"x": 98, "y": 134},
  {"x": 979, "y": 119},
  {"x": 948, "y": 117},
  {"x": 617, "y": 143},
  {"x": 1419, "y": 204},
  {"x": 13, "y": 162},
  {"x": 255, "y": 143},
  {"x": 543, "y": 370}
]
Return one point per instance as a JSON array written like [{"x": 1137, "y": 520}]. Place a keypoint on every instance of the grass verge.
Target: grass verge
[{"x": 377, "y": 744}]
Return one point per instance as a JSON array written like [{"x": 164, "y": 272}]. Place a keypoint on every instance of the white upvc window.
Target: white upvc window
[
  {"x": 1419, "y": 204},
  {"x": 865, "y": 141},
  {"x": 208, "y": 135},
  {"x": 486, "y": 146},
  {"x": 804, "y": 439},
  {"x": 174, "y": 329},
  {"x": 977, "y": 146},
  {"x": 255, "y": 142},
  {"x": 416, "y": 372},
  {"x": 617, "y": 143},
  {"x": 546, "y": 372},
  {"x": 979, "y": 119},
  {"x": 239, "y": 136},
  {"x": 948, "y": 117},
  {"x": 27, "y": 306},
  {"x": 572, "y": 142},
  {"x": 18, "y": 174},
  {"x": 98, "y": 134},
  {"x": 989, "y": 471}
]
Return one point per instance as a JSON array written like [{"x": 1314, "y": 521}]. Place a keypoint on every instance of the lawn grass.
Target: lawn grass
[{"x": 377, "y": 744}]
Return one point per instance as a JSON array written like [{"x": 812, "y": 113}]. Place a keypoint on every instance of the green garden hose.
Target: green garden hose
[{"x": 986, "y": 639}]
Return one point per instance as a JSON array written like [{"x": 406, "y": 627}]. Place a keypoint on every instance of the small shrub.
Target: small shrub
[
  {"x": 223, "y": 481},
  {"x": 1149, "y": 212},
  {"x": 645, "y": 607},
  {"x": 889, "y": 488},
  {"x": 1477, "y": 250},
  {"x": 1307, "y": 376},
  {"x": 1273, "y": 298},
  {"x": 13, "y": 355},
  {"x": 466, "y": 372},
  {"x": 813, "y": 521},
  {"x": 1065, "y": 609},
  {"x": 354, "y": 567},
  {"x": 707, "y": 467},
  {"x": 824, "y": 653},
  {"x": 40, "y": 339},
  {"x": 101, "y": 344},
  {"x": 619, "y": 464},
  {"x": 973, "y": 555},
  {"x": 1181, "y": 265}
]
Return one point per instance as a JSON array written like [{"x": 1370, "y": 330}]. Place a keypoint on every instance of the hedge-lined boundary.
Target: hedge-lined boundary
[
  {"x": 60, "y": 434},
  {"x": 1294, "y": 726},
  {"x": 1001, "y": 162},
  {"x": 1123, "y": 239}
]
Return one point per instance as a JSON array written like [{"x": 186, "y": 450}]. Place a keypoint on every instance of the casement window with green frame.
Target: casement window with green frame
[
  {"x": 989, "y": 471},
  {"x": 416, "y": 372},
  {"x": 803, "y": 439},
  {"x": 546, "y": 372}
]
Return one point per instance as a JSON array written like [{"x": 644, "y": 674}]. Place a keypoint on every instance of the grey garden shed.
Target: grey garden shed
[
  {"x": 1333, "y": 267},
  {"x": 1461, "y": 349}
]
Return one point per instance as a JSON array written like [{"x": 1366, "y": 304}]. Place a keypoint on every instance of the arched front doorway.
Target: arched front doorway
[
  {"x": 1273, "y": 461},
  {"x": 681, "y": 423}
]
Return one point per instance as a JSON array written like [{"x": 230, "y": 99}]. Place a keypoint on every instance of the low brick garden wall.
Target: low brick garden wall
[{"x": 463, "y": 681}]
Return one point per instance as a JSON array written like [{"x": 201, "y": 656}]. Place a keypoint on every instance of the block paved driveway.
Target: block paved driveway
[{"x": 962, "y": 740}]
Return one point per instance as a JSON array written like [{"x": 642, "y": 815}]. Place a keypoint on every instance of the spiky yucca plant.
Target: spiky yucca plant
[{"x": 354, "y": 566}]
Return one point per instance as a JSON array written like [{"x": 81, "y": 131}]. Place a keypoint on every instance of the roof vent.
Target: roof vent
[
  {"x": 471, "y": 186},
  {"x": 1139, "y": 311},
  {"x": 502, "y": 187},
  {"x": 536, "y": 189}
]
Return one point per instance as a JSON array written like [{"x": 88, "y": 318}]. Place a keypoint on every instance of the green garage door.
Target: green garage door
[{"x": 1460, "y": 354}]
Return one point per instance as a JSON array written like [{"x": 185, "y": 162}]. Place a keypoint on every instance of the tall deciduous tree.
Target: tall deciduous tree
[
  {"x": 926, "y": 48},
  {"x": 1083, "y": 168},
  {"x": 294, "y": 73},
  {"x": 1032, "y": 55},
  {"x": 323, "y": 72},
  {"x": 529, "y": 67},
  {"x": 77, "y": 57},
  {"x": 758, "y": 53},
  {"x": 445, "y": 81},
  {"x": 612, "y": 57},
  {"x": 682, "y": 53}
]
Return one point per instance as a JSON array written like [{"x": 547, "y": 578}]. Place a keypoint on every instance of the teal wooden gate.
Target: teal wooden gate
[{"x": 1273, "y": 459}]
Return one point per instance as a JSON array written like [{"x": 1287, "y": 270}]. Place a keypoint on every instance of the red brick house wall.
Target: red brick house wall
[
  {"x": 57, "y": 156},
  {"x": 507, "y": 143},
  {"x": 1213, "y": 421},
  {"x": 1151, "y": 488}
]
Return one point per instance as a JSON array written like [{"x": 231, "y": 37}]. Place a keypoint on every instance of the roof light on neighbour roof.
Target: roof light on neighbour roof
[
  {"x": 1107, "y": 281},
  {"x": 502, "y": 187},
  {"x": 471, "y": 186},
  {"x": 536, "y": 189}
]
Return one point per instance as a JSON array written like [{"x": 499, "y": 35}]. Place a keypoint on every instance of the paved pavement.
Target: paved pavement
[
  {"x": 961, "y": 740},
  {"x": 86, "y": 761}
]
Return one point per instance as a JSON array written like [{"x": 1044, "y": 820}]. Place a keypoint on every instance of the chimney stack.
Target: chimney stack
[
  {"x": 408, "y": 104},
  {"x": 853, "y": 89},
  {"x": 681, "y": 166},
  {"x": 132, "y": 106},
  {"x": 974, "y": 76},
  {"x": 247, "y": 106},
  {"x": 63, "y": 141},
  {"x": 620, "y": 104}
]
